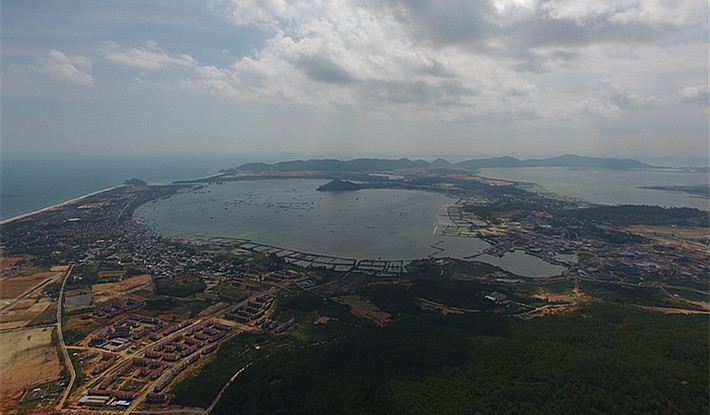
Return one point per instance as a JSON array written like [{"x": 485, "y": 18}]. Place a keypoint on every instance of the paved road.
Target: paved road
[
  {"x": 30, "y": 292},
  {"x": 63, "y": 346}
]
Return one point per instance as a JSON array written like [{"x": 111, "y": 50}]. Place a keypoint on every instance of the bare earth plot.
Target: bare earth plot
[
  {"x": 8, "y": 262},
  {"x": 22, "y": 312},
  {"x": 27, "y": 358},
  {"x": 117, "y": 288},
  {"x": 688, "y": 234},
  {"x": 668, "y": 310},
  {"x": 14, "y": 287}
]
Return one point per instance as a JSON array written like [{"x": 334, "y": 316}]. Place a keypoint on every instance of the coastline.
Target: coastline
[{"x": 58, "y": 205}]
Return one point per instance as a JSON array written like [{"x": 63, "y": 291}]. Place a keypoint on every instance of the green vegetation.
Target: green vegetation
[
  {"x": 339, "y": 186},
  {"x": 307, "y": 302},
  {"x": 428, "y": 269},
  {"x": 79, "y": 367},
  {"x": 463, "y": 294},
  {"x": 74, "y": 336},
  {"x": 200, "y": 389},
  {"x": 86, "y": 276},
  {"x": 649, "y": 296},
  {"x": 48, "y": 316},
  {"x": 434, "y": 282},
  {"x": 176, "y": 306},
  {"x": 78, "y": 311},
  {"x": 60, "y": 354},
  {"x": 393, "y": 299},
  {"x": 608, "y": 235},
  {"x": 181, "y": 288},
  {"x": 555, "y": 287},
  {"x": 227, "y": 289},
  {"x": 601, "y": 359},
  {"x": 53, "y": 288},
  {"x": 625, "y": 215}
]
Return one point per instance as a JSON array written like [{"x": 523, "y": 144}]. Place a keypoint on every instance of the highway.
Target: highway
[
  {"x": 25, "y": 295},
  {"x": 62, "y": 345}
]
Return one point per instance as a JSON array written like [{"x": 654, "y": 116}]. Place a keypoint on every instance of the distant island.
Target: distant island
[
  {"x": 373, "y": 164},
  {"x": 340, "y": 185}
]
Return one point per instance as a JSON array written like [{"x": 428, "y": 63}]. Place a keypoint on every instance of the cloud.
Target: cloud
[
  {"x": 592, "y": 107},
  {"x": 626, "y": 100},
  {"x": 451, "y": 59},
  {"x": 58, "y": 65},
  {"x": 644, "y": 12},
  {"x": 211, "y": 79},
  {"x": 695, "y": 94},
  {"x": 151, "y": 58}
]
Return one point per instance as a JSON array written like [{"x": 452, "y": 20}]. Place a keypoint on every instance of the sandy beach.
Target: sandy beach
[{"x": 68, "y": 202}]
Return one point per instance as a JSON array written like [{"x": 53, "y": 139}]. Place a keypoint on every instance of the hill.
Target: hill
[
  {"x": 372, "y": 164},
  {"x": 339, "y": 185},
  {"x": 566, "y": 160},
  {"x": 357, "y": 165}
]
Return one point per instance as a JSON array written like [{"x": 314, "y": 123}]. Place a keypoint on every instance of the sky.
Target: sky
[{"x": 356, "y": 78}]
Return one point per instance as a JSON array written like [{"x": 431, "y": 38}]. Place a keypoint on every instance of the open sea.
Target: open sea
[{"x": 30, "y": 183}]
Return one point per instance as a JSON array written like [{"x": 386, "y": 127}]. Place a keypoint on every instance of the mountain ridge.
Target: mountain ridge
[{"x": 378, "y": 164}]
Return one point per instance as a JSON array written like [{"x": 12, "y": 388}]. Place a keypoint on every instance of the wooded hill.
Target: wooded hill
[{"x": 372, "y": 164}]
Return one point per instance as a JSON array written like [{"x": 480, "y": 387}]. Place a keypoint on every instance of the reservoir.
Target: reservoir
[
  {"x": 520, "y": 263},
  {"x": 364, "y": 224}
]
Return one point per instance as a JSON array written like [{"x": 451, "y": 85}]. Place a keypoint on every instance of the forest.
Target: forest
[
  {"x": 601, "y": 358},
  {"x": 623, "y": 215}
]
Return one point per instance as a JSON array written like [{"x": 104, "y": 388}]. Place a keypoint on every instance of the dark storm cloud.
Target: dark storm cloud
[
  {"x": 517, "y": 31},
  {"x": 437, "y": 69},
  {"x": 446, "y": 22},
  {"x": 323, "y": 69}
]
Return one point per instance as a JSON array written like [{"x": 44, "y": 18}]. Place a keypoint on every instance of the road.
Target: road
[
  {"x": 219, "y": 396},
  {"x": 62, "y": 345},
  {"x": 25, "y": 295}
]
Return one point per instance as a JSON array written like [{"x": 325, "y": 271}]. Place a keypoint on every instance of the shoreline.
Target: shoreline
[{"x": 58, "y": 205}]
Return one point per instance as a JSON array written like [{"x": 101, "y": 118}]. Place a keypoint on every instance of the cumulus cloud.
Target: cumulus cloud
[
  {"x": 447, "y": 58},
  {"x": 592, "y": 107},
  {"x": 644, "y": 12},
  {"x": 151, "y": 57},
  {"x": 211, "y": 79},
  {"x": 695, "y": 94},
  {"x": 627, "y": 100},
  {"x": 58, "y": 65}
]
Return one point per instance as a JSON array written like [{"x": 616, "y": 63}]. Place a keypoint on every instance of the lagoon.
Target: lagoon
[{"x": 364, "y": 224}]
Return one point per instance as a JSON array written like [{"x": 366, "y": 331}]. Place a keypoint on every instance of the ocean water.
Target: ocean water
[{"x": 30, "y": 183}]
